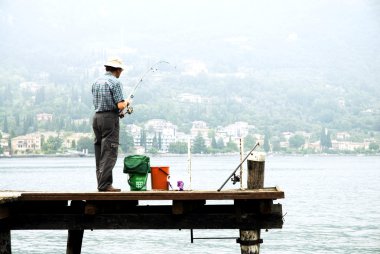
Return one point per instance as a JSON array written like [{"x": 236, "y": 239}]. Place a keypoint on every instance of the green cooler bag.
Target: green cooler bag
[{"x": 136, "y": 164}]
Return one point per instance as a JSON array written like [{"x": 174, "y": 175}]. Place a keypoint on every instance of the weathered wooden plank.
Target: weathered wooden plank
[
  {"x": 264, "y": 193},
  {"x": 186, "y": 206},
  {"x": 109, "y": 206},
  {"x": 132, "y": 216},
  {"x": 144, "y": 221}
]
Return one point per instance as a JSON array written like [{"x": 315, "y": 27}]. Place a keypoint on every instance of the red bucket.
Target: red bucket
[{"x": 160, "y": 178}]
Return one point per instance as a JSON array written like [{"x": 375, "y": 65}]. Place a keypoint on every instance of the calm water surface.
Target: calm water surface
[{"x": 332, "y": 204}]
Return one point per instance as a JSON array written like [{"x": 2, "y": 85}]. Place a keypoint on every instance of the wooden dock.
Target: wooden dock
[
  {"x": 247, "y": 210},
  {"x": 62, "y": 210},
  {"x": 105, "y": 210}
]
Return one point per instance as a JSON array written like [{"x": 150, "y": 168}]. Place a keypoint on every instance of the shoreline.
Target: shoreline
[{"x": 193, "y": 155}]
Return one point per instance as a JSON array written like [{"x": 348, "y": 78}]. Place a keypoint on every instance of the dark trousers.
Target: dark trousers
[{"x": 106, "y": 129}]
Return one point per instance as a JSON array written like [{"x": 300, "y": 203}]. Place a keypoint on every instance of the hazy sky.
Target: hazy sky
[{"x": 204, "y": 33}]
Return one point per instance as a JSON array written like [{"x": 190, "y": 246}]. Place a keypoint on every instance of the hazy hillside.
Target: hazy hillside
[{"x": 283, "y": 65}]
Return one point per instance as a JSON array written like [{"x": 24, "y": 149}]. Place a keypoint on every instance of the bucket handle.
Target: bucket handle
[
  {"x": 167, "y": 177},
  {"x": 163, "y": 171}
]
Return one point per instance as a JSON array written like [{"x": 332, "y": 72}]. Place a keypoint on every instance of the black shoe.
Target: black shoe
[{"x": 111, "y": 189}]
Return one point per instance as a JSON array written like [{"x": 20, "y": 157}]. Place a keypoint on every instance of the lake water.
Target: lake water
[{"x": 332, "y": 204}]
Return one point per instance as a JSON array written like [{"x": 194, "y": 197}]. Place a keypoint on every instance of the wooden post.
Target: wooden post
[
  {"x": 75, "y": 237},
  {"x": 5, "y": 241},
  {"x": 250, "y": 239},
  {"x": 74, "y": 242}
]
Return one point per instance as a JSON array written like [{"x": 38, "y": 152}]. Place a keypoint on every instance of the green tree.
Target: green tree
[
  {"x": 325, "y": 139},
  {"x": 199, "y": 145},
  {"x": 220, "y": 144},
  {"x": 214, "y": 145},
  {"x": 296, "y": 141},
  {"x": 143, "y": 138},
  {"x": 127, "y": 143},
  {"x": 159, "y": 141},
  {"x": 153, "y": 150},
  {"x": 52, "y": 145},
  {"x": 211, "y": 134},
  {"x": 373, "y": 146},
  {"x": 178, "y": 147},
  {"x": 155, "y": 142},
  {"x": 5, "y": 125},
  {"x": 86, "y": 143},
  {"x": 40, "y": 96},
  {"x": 231, "y": 146},
  {"x": 249, "y": 142}
]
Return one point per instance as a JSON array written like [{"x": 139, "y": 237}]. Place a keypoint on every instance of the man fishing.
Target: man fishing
[{"x": 108, "y": 100}]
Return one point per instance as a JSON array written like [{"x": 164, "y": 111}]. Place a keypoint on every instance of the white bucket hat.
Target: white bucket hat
[{"x": 116, "y": 63}]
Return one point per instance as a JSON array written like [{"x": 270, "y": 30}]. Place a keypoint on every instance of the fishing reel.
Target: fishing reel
[
  {"x": 235, "y": 179},
  {"x": 128, "y": 110}
]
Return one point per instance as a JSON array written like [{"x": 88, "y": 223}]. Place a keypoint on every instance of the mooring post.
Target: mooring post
[
  {"x": 75, "y": 236},
  {"x": 74, "y": 242},
  {"x": 250, "y": 239},
  {"x": 5, "y": 241}
]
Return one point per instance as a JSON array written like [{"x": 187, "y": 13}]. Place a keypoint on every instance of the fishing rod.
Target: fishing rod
[
  {"x": 234, "y": 178},
  {"x": 129, "y": 109}
]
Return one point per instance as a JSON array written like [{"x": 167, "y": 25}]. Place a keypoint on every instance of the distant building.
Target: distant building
[
  {"x": 135, "y": 132},
  {"x": 306, "y": 135},
  {"x": 30, "y": 86},
  {"x": 237, "y": 129},
  {"x": 222, "y": 134},
  {"x": 164, "y": 132},
  {"x": 343, "y": 135},
  {"x": 4, "y": 143},
  {"x": 188, "y": 97},
  {"x": 349, "y": 146},
  {"x": 233, "y": 132},
  {"x": 156, "y": 130},
  {"x": 81, "y": 121},
  {"x": 287, "y": 135},
  {"x": 314, "y": 146},
  {"x": 44, "y": 117},
  {"x": 139, "y": 149},
  {"x": 182, "y": 137},
  {"x": 30, "y": 143},
  {"x": 200, "y": 127},
  {"x": 284, "y": 144}
]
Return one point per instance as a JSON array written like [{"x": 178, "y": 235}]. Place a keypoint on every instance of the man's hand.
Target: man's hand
[{"x": 123, "y": 104}]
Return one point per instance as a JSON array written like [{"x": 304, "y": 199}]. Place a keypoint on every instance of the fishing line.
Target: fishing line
[{"x": 129, "y": 109}]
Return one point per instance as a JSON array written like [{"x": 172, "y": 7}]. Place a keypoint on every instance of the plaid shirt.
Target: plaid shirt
[{"x": 106, "y": 93}]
